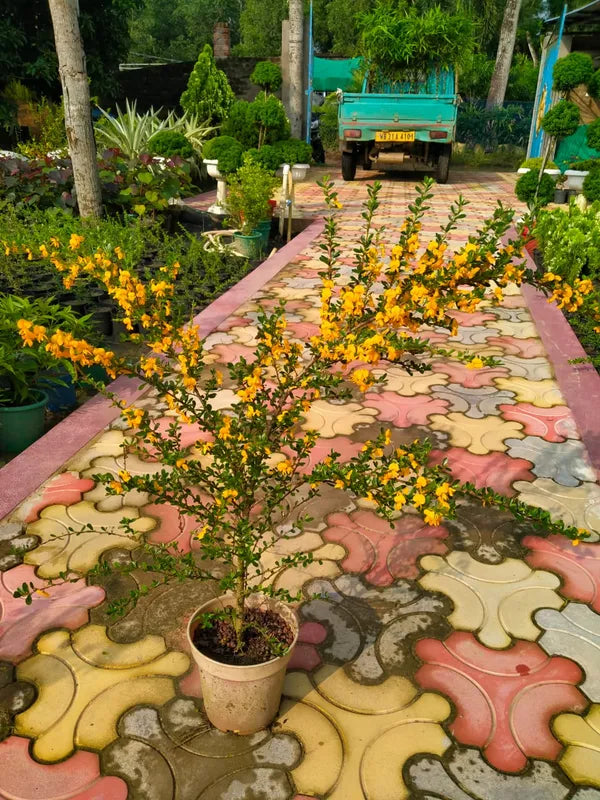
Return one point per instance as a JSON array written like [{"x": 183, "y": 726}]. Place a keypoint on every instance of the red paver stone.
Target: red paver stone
[
  {"x": 469, "y": 320},
  {"x": 340, "y": 444},
  {"x": 505, "y": 699},
  {"x": 305, "y": 655},
  {"x": 496, "y": 470},
  {"x": 579, "y": 567},
  {"x": 62, "y": 606},
  {"x": 552, "y": 424},
  {"x": 381, "y": 552},
  {"x": 77, "y": 778},
  {"x": 525, "y": 348},
  {"x": 470, "y": 378},
  {"x": 64, "y": 489},
  {"x": 405, "y": 411}
]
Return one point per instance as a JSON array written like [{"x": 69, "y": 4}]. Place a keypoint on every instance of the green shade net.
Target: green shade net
[
  {"x": 330, "y": 74},
  {"x": 574, "y": 148}
]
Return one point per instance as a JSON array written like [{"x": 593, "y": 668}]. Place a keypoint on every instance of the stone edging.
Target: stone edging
[{"x": 29, "y": 470}]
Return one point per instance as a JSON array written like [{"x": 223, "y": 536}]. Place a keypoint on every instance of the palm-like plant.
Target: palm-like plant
[{"x": 131, "y": 132}]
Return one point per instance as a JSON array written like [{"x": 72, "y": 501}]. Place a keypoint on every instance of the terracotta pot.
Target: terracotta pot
[{"x": 244, "y": 699}]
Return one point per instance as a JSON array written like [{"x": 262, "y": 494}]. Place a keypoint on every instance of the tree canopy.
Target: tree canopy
[{"x": 27, "y": 51}]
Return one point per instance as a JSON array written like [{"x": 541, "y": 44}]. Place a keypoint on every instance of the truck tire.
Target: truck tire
[
  {"x": 443, "y": 166},
  {"x": 348, "y": 166}
]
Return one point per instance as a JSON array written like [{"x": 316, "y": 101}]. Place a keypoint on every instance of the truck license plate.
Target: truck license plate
[{"x": 394, "y": 136}]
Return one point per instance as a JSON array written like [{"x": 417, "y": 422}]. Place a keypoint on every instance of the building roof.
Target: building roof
[{"x": 578, "y": 17}]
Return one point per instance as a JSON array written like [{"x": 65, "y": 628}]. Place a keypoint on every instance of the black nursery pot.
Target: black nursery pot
[{"x": 560, "y": 196}]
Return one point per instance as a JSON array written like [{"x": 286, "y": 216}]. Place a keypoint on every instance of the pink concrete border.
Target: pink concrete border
[
  {"x": 579, "y": 383},
  {"x": 200, "y": 198},
  {"x": 25, "y": 473}
]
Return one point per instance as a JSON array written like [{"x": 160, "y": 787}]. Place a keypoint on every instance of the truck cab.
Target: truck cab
[{"x": 399, "y": 126}]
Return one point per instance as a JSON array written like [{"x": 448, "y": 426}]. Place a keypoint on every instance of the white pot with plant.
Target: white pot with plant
[{"x": 253, "y": 464}]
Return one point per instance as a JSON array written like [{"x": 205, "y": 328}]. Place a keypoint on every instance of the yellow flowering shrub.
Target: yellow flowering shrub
[{"x": 251, "y": 464}]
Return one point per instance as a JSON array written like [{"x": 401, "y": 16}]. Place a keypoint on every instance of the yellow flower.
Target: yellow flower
[
  {"x": 202, "y": 532},
  {"x": 124, "y": 475},
  {"x": 418, "y": 500},
  {"x": 399, "y": 501},
  {"x": 181, "y": 464},
  {"x": 339, "y": 484},
  {"x": 475, "y": 363},
  {"x": 285, "y": 467},
  {"x": 116, "y": 487},
  {"x": 432, "y": 517},
  {"x": 421, "y": 482},
  {"x": 76, "y": 241},
  {"x": 230, "y": 493}
]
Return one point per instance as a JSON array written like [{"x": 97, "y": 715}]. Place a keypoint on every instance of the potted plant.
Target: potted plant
[
  {"x": 577, "y": 173},
  {"x": 249, "y": 192},
  {"x": 28, "y": 373},
  {"x": 248, "y": 463},
  {"x": 536, "y": 164},
  {"x": 560, "y": 191},
  {"x": 221, "y": 156},
  {"x": 297, "y": 154}
]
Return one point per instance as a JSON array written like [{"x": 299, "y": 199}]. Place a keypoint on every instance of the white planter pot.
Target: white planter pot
[
  {"x": 299, "y": 171},
  {"x": 522, "y": 170},
  {"x": 553, "y": 172},
  {"x": 218, "y": 207},
  {"x": 242, "y": 699},
  {"x": 212, "y": 167},
  {"x": 575, "y": 178}
]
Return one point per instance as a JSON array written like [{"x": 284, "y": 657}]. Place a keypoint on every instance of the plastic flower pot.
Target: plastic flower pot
[
  {"x": 575, "y": 179},
  {"x": 61, "y": 396},
  {"x": 560, "y": 196},
  {"x": 248, "y": 245},
  {"x": 20, "y": 426},
  {"x": 299, "y": 171},
  {"x": 264, "y": 228},
  {"x": 242, "y": 699},
  {"x": 94, "y": 373}
]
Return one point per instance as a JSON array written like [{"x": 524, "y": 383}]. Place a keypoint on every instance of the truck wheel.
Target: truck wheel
[
  {"x": 348, "y": 166},
  {"x": 443, "y": 166}
]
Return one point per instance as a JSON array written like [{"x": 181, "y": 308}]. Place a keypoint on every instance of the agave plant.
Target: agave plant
[{"x": 131, "y": 132}]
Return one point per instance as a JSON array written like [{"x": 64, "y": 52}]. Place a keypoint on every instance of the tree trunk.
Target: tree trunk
[
  {"x": 76, "y": 96},
  {"x": 532, "y": 50},
  {"x": 296, "y": 59},
  {"x": 506, "y": 45}
]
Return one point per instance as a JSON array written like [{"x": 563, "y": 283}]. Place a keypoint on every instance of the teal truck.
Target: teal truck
[{"x": 404, "y": 126}]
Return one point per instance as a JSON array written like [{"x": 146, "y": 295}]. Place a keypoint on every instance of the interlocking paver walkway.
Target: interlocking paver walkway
[{"x": 457, "y": 663}]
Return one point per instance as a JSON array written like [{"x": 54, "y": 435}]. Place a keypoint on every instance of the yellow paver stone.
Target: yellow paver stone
[
  {"x": 496, "y": 601},
  {"x": 543, "y": 394},
  {"x": 85, "y": 682},
  {"x": 581, "y": 735},
  {"x": 478, "y": 436}
]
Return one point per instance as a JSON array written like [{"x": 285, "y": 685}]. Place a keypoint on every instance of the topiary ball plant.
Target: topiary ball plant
[
  {"x": 267, "y": 75},
  {"x": 593, "y": 134},
  {"x": 536, "y": 163},
  {"x": 527, "y": 186},
  {"x": 594, "y": 85},
  {"x": 228, "y": 152},
  {"x": 267, "y": 157},
  {"x": 562, "y": 119},
  {"x": 571, "y": 71},
  {"x": 591, "y": 184},
  {"x": 293, "y": 151},
  {"x": 169, "y": 144}
]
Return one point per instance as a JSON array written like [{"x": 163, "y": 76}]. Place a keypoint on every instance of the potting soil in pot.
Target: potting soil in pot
[{"x": 218, "y": 641}]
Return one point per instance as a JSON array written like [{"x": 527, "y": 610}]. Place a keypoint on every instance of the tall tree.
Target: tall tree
[
  {"x": 27, "y": 51},
  {"x": 296, "y": 58},
  {"x": 504, "y": 55},
  {"x": 260, "y": 28},
  {"x": 76, "y": 94}
]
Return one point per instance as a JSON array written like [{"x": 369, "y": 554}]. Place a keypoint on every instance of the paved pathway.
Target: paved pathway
[{"x": 455, "y": 662}]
